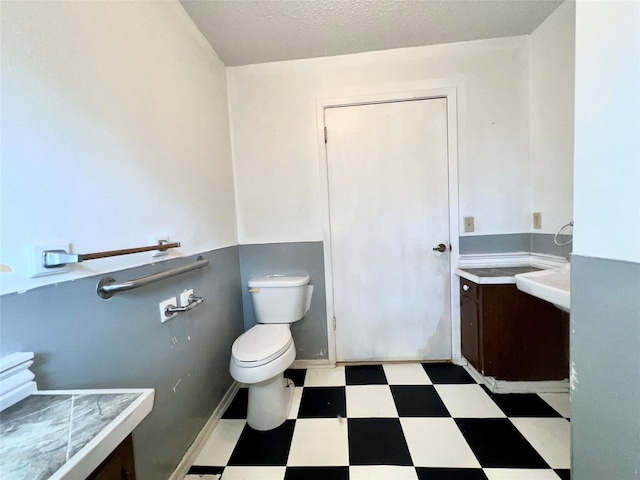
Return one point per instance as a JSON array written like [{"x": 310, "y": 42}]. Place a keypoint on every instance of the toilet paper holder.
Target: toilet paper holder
[{"x": 193, "y": 303}]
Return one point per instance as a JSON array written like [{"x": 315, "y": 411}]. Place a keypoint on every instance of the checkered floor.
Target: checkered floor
[{"x": 394, "y": 421}]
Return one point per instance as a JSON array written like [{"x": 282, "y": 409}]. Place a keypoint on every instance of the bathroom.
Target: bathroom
[{"x": 120, "y": 123}]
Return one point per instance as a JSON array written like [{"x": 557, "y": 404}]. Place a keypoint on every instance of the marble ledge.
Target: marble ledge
[{"x": 62, "y": 434}]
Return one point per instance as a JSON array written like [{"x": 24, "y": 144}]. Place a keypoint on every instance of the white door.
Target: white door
[{"x": 388, "y": 201}]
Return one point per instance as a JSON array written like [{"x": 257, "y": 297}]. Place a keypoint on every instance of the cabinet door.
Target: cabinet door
[{"x": 469, "y": 319}]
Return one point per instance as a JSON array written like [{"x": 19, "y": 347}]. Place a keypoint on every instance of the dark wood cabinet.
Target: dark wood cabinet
[
  {"x": 117, "y": 466},
  {"x": 509, "y": 335}
]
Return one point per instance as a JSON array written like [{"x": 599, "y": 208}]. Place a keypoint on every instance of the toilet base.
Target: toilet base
[{"x": 269, "y": 403}]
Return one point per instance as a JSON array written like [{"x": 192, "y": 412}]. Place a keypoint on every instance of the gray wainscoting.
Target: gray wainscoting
[
  {"x": 515, "y": 242},
  {"x": 82, "y": 341},
  {"x": 605, "y": 356},
  {"x": 298, "y": 258}
]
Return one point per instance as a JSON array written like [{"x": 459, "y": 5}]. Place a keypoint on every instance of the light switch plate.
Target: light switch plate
[
  {"x": 35, "y": 251},
  {"x": 469, "y": 224},
  {"x": 537, "y": 220}
]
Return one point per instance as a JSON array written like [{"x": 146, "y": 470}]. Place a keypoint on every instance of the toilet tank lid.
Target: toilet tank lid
[{"x": 274, "y": 281}]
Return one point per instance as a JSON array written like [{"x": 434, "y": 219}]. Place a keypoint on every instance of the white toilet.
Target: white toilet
[{"x": 261, "y": 354}]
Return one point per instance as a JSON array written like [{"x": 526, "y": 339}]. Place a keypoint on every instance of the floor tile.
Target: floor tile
[
  {"x": 497, "y": 443},
  {"x": 559, "y": 401},
  {"x": 519, "y": 474},
  {"x": 451, "y": 474},
  {"x": 437, "y": 442},
  {"x": 319, "y": 441},
  {"x": 253, "y": 473},
  {"x": 365, "y": 375},
  {"x": 238, "y": 406},
  {"x": 447, "y": 373},
  {"x": 524, "y": 405},
  {"x": 295, "y": 403},
  {"x": 377, "y": 441},
  {"x": 406, "y": 374},
  {"x": 317, "y": 473},
  {"x": 369, "y": 401},
  {"x": 418, "y": 401},
  {"x": 269, "y": 448},
  {"x": 563, "y": 473},
  {"x": 468, "y": 401},
  {"x": 323, "y": 402},
  {"x": 325, "y": 377},
  {"x": 382, "y": 472},
  {"x": 551, "y": 437},
  {"x": 296, "y": 374},
  {"x": 218, "y": 448}
]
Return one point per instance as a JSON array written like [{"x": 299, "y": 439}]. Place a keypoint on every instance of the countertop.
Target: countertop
[
  {"x": 67, "y": 434},
  {"x": 494, "y": 275}
]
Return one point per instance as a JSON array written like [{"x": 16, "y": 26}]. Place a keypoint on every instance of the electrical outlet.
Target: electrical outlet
[
  {"x": 184, "y": 297},
  {"x": 469, "y": 224},
  {"x": 163, "y": 306},
  {"x": 537, "y": 220},
  {"x": 157, "y": 239},
  {"x": 35, "y": 251}
]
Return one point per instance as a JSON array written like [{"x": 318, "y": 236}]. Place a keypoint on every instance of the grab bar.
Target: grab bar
[
  {"x": 60, "y": 258},
  {"x": 107, "y": 287}
]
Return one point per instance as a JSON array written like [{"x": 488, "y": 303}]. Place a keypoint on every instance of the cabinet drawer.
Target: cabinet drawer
[{"x": 468, "y": 289}]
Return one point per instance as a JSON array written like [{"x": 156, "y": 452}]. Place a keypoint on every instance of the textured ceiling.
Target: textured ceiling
[{"x": 255, "y": 31}]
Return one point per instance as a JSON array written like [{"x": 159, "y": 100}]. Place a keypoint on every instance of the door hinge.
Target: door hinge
[
  {"x": 334, "y": 322},
  {"x": 325, "y": 134}
]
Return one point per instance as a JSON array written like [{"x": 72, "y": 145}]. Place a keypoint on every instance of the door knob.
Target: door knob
[{"x": 440, "y": 248}]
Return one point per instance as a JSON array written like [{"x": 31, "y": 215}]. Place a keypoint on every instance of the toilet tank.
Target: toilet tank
[{"x": 279, "y": 299}]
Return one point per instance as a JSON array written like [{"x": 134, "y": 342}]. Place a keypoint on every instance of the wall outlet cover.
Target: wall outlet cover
[
  {"x": 35, "y": 251},
  {"x": 163, "y": 306},
  {"x": 184, "y": 297}
]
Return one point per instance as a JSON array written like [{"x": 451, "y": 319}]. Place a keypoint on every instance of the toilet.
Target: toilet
[{"x": 260, "y": 355}]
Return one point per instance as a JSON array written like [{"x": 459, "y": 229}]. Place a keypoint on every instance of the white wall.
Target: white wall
[
  {"x": 274, "y": 131},
  {"x": 552, "y": 59},
  {"x": 114, "y": 128},
  {"x": 607, "y": 143}
]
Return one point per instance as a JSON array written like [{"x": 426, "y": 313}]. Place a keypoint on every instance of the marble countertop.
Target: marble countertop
[
  {"x": 494, "y": 275},
  {"x": 67, "y": 434}
]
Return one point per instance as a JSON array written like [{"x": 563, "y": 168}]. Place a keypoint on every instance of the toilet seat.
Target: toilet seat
[{"x": 261, "y": 344}]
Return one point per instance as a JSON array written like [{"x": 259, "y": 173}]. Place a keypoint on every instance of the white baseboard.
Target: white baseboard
[
  {"x": 194, "y": 450},
  {"x": 318, "y": 363},
  {"x": 503, "y": 386}
]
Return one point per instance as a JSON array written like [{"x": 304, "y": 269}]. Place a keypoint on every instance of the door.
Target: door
[{"x": 388, "y": 204}]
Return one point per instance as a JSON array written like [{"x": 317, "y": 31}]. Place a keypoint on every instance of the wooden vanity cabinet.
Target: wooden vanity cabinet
[
  {"x": 117, "y": 466},
  {"x": 513, "y": 336}
]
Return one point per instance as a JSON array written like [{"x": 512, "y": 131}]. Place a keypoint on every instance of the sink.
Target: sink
[{"x": 552, "y": 285}]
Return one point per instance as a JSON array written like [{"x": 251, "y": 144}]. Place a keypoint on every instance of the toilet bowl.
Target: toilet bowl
[{"x": 260, "y": 356}]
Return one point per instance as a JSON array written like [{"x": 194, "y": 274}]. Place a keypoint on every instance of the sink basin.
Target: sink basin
[{"x": 551, "y": 285}]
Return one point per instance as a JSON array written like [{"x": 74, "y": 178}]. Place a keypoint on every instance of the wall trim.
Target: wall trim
[
  {"x": 513, "y": 259},
  {"x": 196, "y": 447},
  {"x": 503, "y": 386},
  {"x": 448, "y": 92},
  {"x": 316, "y": 363}
]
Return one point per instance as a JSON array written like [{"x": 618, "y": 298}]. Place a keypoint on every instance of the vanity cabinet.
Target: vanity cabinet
[
  {"x": 117, "y": 466},
  {"x": 509, "y": 335}
]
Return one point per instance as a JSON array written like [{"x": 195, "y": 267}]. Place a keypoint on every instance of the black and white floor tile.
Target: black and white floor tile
[{"x": 394, "y": 421}]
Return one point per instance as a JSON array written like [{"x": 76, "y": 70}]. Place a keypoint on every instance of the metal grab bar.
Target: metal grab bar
[
  {"x": 59, "y": 258},
  {"x": 193, "y": 303},
  {"x": 107, "y": 287}
]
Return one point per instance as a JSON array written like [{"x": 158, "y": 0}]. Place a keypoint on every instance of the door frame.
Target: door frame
[{"x": 450, "y": 94}]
